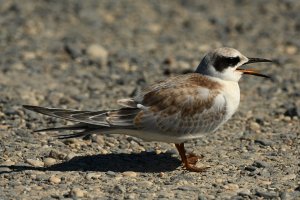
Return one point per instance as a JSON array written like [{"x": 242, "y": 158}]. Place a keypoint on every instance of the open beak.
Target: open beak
[{"x": 253, "y": 71}]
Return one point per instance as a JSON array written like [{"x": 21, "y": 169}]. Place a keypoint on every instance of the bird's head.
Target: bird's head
[{"x": 225, "y": 63}]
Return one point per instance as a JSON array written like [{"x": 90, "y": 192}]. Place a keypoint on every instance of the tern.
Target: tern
[{"x": 174, "y": 110}]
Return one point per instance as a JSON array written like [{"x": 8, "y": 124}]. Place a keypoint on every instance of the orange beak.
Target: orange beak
[{"x": 253, "y": 71}]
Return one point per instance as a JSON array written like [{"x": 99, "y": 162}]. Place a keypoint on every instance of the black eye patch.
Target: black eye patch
[{"x": 223, "y": 62}]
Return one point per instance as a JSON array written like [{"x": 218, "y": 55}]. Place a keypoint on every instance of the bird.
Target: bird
[{"x": 175, "y": 110}]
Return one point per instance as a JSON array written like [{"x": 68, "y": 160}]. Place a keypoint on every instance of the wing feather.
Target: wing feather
[{"x": 182, "y": 105}]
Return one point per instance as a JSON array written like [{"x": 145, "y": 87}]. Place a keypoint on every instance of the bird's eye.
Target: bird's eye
[
  {"x": 224, "y": 62},
  {"x": 232, "y": 61}
]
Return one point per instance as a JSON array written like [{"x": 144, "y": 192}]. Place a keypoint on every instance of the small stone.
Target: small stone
[
  {"x": 266, "y": 195},
  {"x": 201, "y": 197},
  {"x": 49, "y": 161},
  {"x": 90, "y": 176},
  {"x": 157, "y": 151},
  {"x": 263, "y": 142},
  {"x": 187, "y": 188},
  {"x": 42, "y": 177},
  {"x": 76, "y": 192},
  {"x": 145, "y": 184},
  {"x": 18, "y": 66},
  {"x": 98, "y": 139},
  {"x": 119, "y": 189},
  {"x": 254, "y": 126},
  {"x": 70, "y": 156},
  {"x": 131, "y": 196},
  {"x": 260, "y": 164},
  {"x": 219, "y": 180},
  {"x": 250, "y": 168},
  {"x": 111, "y": 173},
  {"x": 244, "y": 192},
  {"x": 287, "y": 119},
  {"x": 97, "y": 52},
  {"x": 231, "y": 186},
  {"x": 8, "y": 163},
  {"x": 154, "y": 28},
  {"x": 291, "y": 50},
  {"x": 28, "y": 55},
  {"x": 289, "y": 177},
  {"x": 265, "y": 182},
  {"x": 57, "y": 155},
  {"x": 184, "y": 66},
  {"x": 103, "y": 151},
  {"x": 35, "y": 163},
  {"x": 70, "y": 141},
  {"x": 54, "y": 179},
  {"x": 4, "y": 169},
  {"x": 73, "y": 50},
  {"x": 129, "y": 174},
  {"x": 293, "y": 112}
]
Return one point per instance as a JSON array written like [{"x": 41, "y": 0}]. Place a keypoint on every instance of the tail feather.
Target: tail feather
[
  {"x": 78, "y": 126},
  {"x": 72, "y": 115},
  {"x": 89, "y": 121},
  {"x": 76, "y": 135}
]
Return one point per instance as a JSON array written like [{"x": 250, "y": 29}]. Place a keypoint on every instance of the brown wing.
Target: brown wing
[{"x": 180, "y": 103}]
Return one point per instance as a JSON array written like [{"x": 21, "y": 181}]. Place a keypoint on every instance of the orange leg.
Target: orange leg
[{"x": 190, "y": 160}]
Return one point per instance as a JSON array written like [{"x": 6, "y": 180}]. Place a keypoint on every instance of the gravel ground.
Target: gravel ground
[{"x": 86, "y": 54}]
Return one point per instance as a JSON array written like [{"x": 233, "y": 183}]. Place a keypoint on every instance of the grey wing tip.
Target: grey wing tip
[
  {"x": 38, "y": 109},
  {"x": 30, "y": 107}
]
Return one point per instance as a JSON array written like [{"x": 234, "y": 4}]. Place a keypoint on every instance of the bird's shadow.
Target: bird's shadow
[{"x": 137, "y": 162}]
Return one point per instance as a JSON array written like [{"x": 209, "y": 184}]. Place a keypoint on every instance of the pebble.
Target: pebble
[
  {"x": 70, "y": 156},
  {"x": 263, "y": 142},
  {"x": 49, "y": 161},
  {"x": 54, "y": 179},
  {"x": 57, "y": 155},
  {"x": 8, "y": 163},
  {"x": 260, "y": 164},
  {"x": 289, "y": 177},
  {"x": 219, "y": 180},
  {"x": 129, "y": 174},
  {"x": 73, "y": 50},
  {"x": 119, "y": 189},
  {"x": 90, "y": 176},
  {"x": 18, "y": 66},
  {"x": 254, "y": 126},
  {"x": 98, "y": 139},
  {"x": 266, "y": 195},
  {"x": 4, "y": 169},
  {"x": 35, "y": 163},
  {"x": 231, "y": 186},
  {"x": 244, "y": 192},
  {"x": 145, "y": 184},
  {"x": 131, "y": 196},
  {"x": 250, "y": 168},
  {"x": 76, "y": 192},
  {"x": 291, "y": 50},
  {"x": 187, "y": 188},
  {"x": 293, "y": 112},
  {"x": 111, "y": 173},
  {"x": 97, "y": 52}
]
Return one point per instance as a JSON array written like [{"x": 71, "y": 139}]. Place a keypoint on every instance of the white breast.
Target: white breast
[{"x": 231, "y": 92}]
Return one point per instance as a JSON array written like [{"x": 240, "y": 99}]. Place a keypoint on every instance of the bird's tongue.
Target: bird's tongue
[{"x": 252, "y": 72}]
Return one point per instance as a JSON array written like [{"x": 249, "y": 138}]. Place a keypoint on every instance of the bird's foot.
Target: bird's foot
[
  {"x": 193, "y": 158},
  {"x": 193, "y": 168}
]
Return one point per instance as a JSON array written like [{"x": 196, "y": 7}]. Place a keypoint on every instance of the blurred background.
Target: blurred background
[{"x": 87, "y": 54}]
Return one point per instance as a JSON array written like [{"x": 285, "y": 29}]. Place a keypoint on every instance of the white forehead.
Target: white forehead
[{"x": 227, "y": 52}]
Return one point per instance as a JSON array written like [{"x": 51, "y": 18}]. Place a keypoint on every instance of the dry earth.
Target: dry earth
[{"x": 86, "y": 54}]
